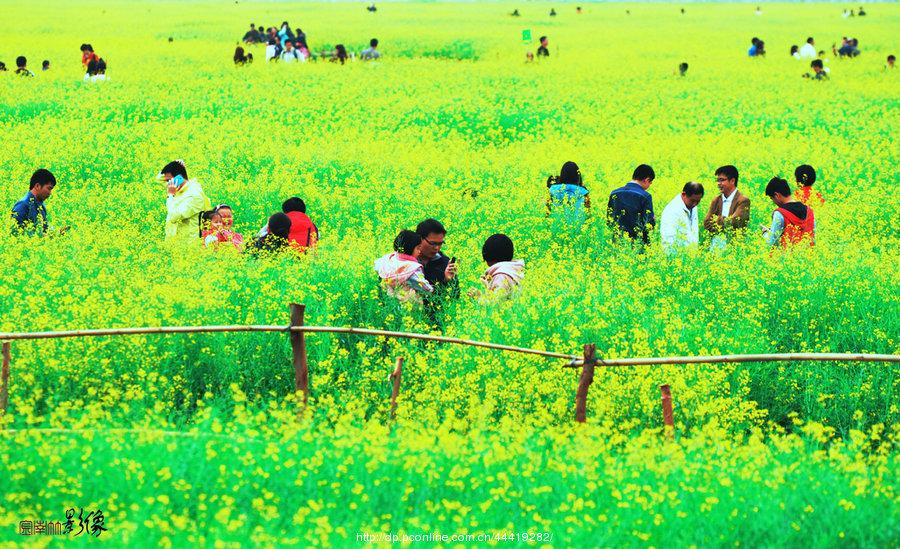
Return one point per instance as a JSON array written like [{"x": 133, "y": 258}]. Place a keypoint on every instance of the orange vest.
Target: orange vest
[
  {"x": 303, "y": 231},
  {"x": 796, "y": 230}
]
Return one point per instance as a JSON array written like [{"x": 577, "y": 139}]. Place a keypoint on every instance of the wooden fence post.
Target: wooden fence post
[
  {"x": 587, "y": 377},
  {"x": 4, "y": 379},
  {"x": 668, "y": 418},
  {"x": 298, "y": 347},
  {"x": 395, "y": 391}
]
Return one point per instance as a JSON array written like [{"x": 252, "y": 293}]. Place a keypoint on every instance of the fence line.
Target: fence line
[{"x": 296, "y": 331}]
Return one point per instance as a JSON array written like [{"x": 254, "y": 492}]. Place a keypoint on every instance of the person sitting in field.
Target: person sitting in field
[
  {"x": 754, "y": 47},
  {"x": 861, "y": 12},
  {"x": 96, "y": 71},
  {"x": 218, "y": 230},
  {"x": 891, "y": 60},
  {"x": 21, "y": 68},
  {"x": 29, "y": 213},
  {"x": 806, "y": 176},
  {"x": 569, "y": 199},
  {"x": 682, "y": 69},
  {"x": 849, "y": 49},
  {"x": 45, "y": 65},
  {"x": 793, "y": 222},
  {"x": 184, "y": 202},
  {"x": 542, "y": 50},
  {"x": 240, "y": 58},
  {"x": 372, "y": 9},
  {"x": 2, "y": 67},
  {"x": 552, "y": 12},
  {"x": 275, "y": 238},
  {"x": 504, "y": 274},
  {"x": 304, "y": 233},
  {"x": 371, "y": 52},
  {"x": 290, "y": 55},
  {"x": 340, "y": 54},
  {"x": 402, "y": 276},
  {"x": 515, "y": 13},
  {"x": 819, "y": 71},
  {"x": 795, "y": 52}
]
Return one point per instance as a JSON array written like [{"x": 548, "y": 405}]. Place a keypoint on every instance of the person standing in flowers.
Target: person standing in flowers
[
  {"x": 806, "y": 176},
  {"x": 629, "y": 211},
  {"x": 792, "y": 222},
  {"x": 569, "y": 200},
  {"x": 185, "y": 201},
  {"x": 504, "y": 274},
  {"x": 29, "y": 213},
  {"x": 729, "y": 212},
  {"x": 679, "y": 224},
  {"x": 401, "y": 273}
]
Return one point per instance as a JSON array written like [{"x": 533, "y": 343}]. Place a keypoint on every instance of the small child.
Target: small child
[
  {"x": 217, "y": 233},
  {"x": 806, "y": 176},
  {"x": 503, "y": 275},
  {"x": 569, "y": 199},
  {"x": 401, "y": 273}
]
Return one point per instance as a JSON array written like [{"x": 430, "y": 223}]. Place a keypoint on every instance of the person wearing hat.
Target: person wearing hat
[
  {"x": 569, "y": 200},
  {"x": 185, "y": 202}
]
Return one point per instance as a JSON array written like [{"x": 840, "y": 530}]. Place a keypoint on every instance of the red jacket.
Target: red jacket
[
  {"x": 806, "y": 194},
  {"x": 304, "y": 232},
  {"x": 796, "y": 229}
]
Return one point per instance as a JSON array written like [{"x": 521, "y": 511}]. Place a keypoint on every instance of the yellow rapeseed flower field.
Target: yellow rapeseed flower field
[{"x": 187, "y": 440}]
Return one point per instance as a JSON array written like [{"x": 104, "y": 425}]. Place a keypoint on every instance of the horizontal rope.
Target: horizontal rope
[{"x": 575, "y": 361}]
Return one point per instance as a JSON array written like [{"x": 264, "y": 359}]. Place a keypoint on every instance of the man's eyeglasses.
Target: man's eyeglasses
[
  {"x": 435, "y": 244},
  {"x": 721, "y": 179}
]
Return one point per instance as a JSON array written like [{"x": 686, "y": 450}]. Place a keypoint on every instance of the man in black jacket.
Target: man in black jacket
[{"x": 439, "y": 270}]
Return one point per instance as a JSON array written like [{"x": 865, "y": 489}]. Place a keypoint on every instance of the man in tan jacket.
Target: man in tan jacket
[{"x": 728, "y": 212}]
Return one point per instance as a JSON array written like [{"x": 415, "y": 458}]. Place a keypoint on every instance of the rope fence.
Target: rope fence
[{"x": 296, "y": 330}]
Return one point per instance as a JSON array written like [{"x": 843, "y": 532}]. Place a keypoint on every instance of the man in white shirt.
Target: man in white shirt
[
  {"x": 809, "y": 49},
  {"x": 371, "y": 52},
  {"x": 290, "y": 55},
  {"x": 679, "y": 225},
  {"x": 729, "y": 212}
]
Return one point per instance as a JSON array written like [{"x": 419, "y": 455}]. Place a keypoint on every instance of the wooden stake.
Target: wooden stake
[
  {"x": 395, "y": 391},
  {"x": 587, "y": 377},
  {"x": 668, "y": 418},
  {"x": 4, "y": 379},
  {"x": 298, "y": 347}
]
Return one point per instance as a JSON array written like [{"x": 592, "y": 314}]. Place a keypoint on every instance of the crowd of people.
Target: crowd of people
[
  {"x": 289, "y": 46},
  {"x": 418, "y": 269},
  {"x": 849, "y": 48}
]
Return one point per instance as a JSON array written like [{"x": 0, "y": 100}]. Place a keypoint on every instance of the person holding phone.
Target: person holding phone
[{"x": 185, "y": 201}]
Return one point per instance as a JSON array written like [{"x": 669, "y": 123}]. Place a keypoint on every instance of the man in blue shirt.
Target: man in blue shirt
[
  {"x": 30, "y": 214},
  {"x": 630, "y": 208}
]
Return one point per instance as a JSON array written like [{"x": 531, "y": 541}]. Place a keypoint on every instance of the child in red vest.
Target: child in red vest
[
  {"x": 806, "y": 176},
  {"x": 304, "y": 233},
  {"x": 793, "y": 222}
]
